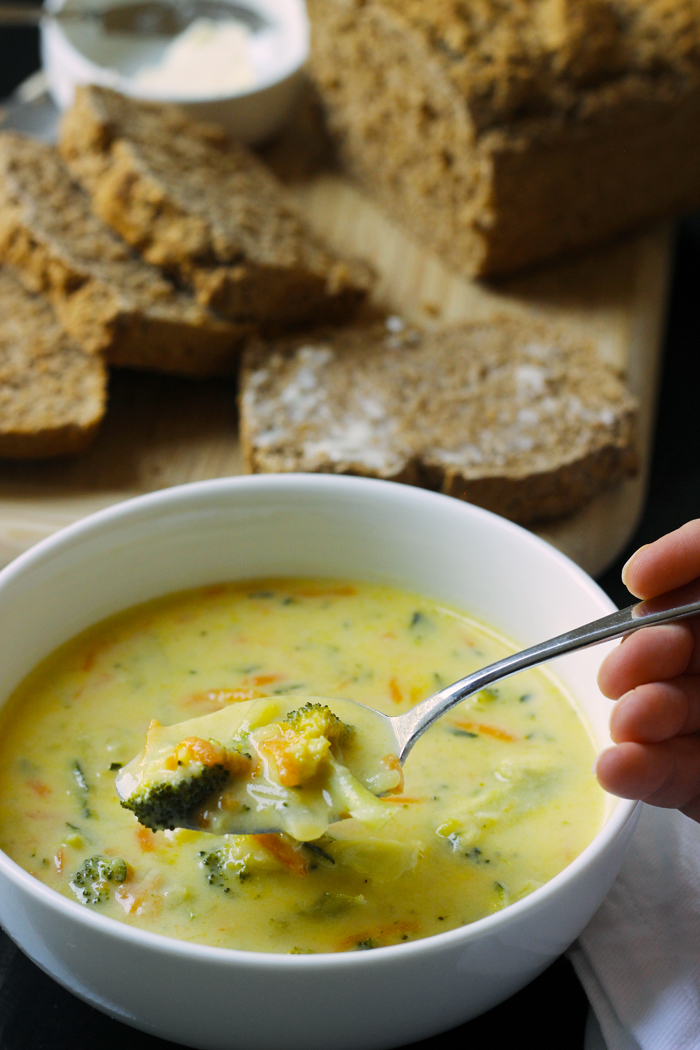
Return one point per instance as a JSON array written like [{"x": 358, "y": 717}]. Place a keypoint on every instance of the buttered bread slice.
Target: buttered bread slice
[
  {"x": 104, "y": 295},
  {"x": 52, "y": 392},
  {"x": 206, "y": 210},
  {"x": 506, "y": 415}
]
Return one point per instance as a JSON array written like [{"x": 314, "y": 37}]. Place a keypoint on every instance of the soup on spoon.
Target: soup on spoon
[{"x": 266, "y": 765}]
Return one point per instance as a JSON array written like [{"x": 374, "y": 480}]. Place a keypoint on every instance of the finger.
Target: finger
[
  {"x": 667, "y": 563},
  {"x": 666, "y": 774},
  {"x": 658, "y": 711},
  {"x": 653, "y": 654}
]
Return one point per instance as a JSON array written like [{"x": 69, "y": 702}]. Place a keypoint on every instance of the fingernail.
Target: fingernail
[{"x": 629, "y": 561}]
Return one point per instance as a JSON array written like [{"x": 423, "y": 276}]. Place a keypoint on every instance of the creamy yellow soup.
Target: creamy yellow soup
[{"x": 498, "y": 797}]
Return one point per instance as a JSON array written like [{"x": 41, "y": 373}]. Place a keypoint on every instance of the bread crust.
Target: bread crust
[
  {"x": 206, "y": 211},
  {"x": 503, "y": 132},
  {"x": 108, "y": 299},
  {"x": 508, "y": 415},
  {"x": 52, "y": 392}
]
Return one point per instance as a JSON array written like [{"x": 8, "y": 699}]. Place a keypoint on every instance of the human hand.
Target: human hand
[{"x": 654, "y": 675}]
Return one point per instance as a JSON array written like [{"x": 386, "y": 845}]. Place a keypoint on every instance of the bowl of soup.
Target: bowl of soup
[{"x": 468, "y": 880}]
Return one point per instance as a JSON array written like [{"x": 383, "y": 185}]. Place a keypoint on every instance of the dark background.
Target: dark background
[{"x": 550, "y": 1014}]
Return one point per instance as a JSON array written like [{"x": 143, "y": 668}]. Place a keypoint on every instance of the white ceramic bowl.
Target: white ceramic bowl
[
  {"x": 311, "y": 525},
  {"x": 75, "y": 53}
]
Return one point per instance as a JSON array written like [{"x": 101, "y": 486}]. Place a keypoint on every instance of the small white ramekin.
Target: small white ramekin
[
  {"x": 251, "y": 116},
  {"x": 325, "y": 526}
]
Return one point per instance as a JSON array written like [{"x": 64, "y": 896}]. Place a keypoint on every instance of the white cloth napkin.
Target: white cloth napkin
[{"x": 639, "y": 957}]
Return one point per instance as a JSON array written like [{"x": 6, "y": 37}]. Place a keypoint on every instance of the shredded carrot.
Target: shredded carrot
[
  {"x": 377, "y": 934},
  {"x": 126, "y": 899},
  {"x": 485, "y": 730},
  {"x": 399, "y": 799},
  {"x": 214, "y": 699},
  {"x": 146, "y": 839},
  {"x": 286, "y": 761},
  {"x": 396, "y": 695},
  {"x": 283, "y": 851},
  {"x": 393, "y": 762},
  {"x": 141, "y": 897},
  {"x": 200, "y": 750},
  {"x": 58, "y": 861},
  {"x": 39, "y": 788},
  {"x": 197, "y": 749},
  {"x": 266, "y": 679}
]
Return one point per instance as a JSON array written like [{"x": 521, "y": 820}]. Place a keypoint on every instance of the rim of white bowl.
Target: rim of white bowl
[
  {"x": 105, "y": 519},
  {"x": 123, "y": 84}
]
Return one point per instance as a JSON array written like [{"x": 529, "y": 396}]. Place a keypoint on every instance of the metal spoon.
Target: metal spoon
[
  {"x": 675, "y": 605},
  {"x": 398, "y": 733},
  {"x": 141, "y": 17}
]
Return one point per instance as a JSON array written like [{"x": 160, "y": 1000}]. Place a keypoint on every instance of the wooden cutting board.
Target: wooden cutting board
[{"x": 161, "y": 431}]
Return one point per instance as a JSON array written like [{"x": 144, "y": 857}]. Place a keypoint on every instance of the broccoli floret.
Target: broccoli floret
[
  {"x": 91, "y": 884},
  {"x": 168, "y": 804},
  {"x": 318, "y": 720},
  {"x": 222, "y": 868}
]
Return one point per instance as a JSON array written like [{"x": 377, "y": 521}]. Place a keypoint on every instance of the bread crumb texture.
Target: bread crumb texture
[
  {"x": 52, "y": 393},
  {"x": 104, "y": 294},
  {"x": 506, "y": 415},
  {"x": 506, "y": 131},
  {"x": 206, "y": 210}
]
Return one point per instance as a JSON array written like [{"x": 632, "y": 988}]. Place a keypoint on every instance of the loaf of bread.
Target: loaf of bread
[
  {"x": 506, "y": 414},
  {"x": 104, "y": 295},
  {"x": 503, "y": 132},
  {"x": 52, "y": 392},
  {"x": 206, "y": 210}
]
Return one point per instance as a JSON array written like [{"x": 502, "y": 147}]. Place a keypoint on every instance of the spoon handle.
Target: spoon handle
[{"x": 676, "y": 605}]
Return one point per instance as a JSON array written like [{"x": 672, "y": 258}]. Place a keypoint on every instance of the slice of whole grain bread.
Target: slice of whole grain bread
[
  {"x": 104, "y": 295},
  {"x": 507, "y": 415},
  {"x": 206, "y": 210},
  {"x": 52, "y": 392}
]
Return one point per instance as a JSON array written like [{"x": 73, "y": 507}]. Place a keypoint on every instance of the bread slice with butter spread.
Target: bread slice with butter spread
[
  {"x": 52, "y": 393},
  {"x": 205, "y": 210},
  {"x": 505, "y": 414}
]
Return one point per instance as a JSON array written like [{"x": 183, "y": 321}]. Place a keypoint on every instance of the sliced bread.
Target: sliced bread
[
  {"x": 505, "y": 415},
  {"x": 52, "y": 392},
  {"x": 104, "y": 295},
  {"x": 206, "y": 210},
  {"x": 504, "y": 132}
]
